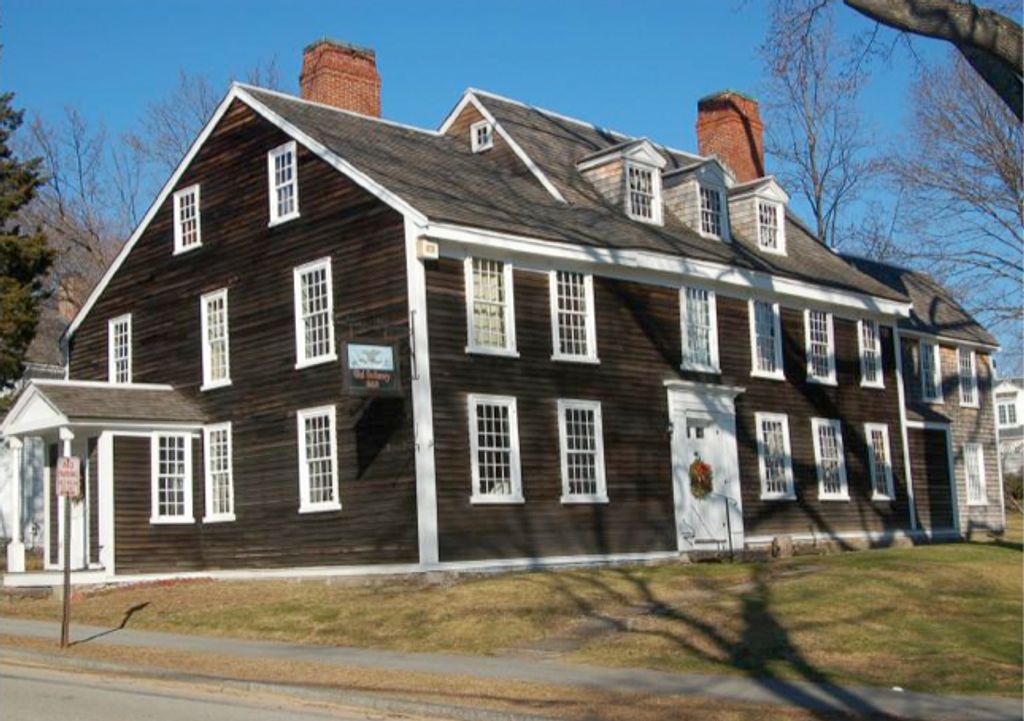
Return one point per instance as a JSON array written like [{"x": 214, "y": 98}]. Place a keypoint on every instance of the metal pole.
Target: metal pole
[{"x": 66, "y": 614}]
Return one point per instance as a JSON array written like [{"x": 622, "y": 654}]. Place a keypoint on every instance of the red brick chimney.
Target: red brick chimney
[
  {"x": 341, "y": 75},
  {"x": 729, "y": 125}
]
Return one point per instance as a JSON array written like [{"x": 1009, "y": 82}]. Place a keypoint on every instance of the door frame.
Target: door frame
[{"x": 946, "y": 428}]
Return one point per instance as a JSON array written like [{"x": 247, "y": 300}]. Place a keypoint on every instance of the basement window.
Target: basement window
[{"x": 481, "y": 136}]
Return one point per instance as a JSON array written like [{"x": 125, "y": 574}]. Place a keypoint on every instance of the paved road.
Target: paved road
[{"x": 34, "y": 694}]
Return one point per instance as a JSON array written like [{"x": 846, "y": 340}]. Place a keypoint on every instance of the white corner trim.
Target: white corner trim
[{"x": 904, "y": 423}]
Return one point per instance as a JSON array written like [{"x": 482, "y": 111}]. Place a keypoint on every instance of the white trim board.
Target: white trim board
[{"x": 947, "y": 341}]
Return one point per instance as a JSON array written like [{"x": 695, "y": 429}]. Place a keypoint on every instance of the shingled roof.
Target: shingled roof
[
  {"x": 934, "y": 311},
  {"x": 86, "y": 401},
  {"x": 443, "y": 179}
]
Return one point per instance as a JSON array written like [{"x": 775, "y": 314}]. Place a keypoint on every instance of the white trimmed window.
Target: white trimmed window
[
  {"x": 481, "y": 136},
  {"x": 582, "y": 444},
  {"x": 171, "y": 478},
  {"x": 870, "y": 354},
  {"x": 879, "y": 461},
  {"x": 974, "y": 468},
  {"x": 119, "y": 349},
  {"x": 314, "y": 314},
  {"x": 216, "y": 351},
  {"x": 967, "y": 364},
  {"x": 1007, "y": 413},
  {"x": 699, "y": 315},
  {"x": 573, "y": 322},
  {"x": 765, "y": 340},
  {"x": 283, "y": 177},
  {"x": 318, "y": 466},
  {"x": 820, "y": 346},
  {"x": 494, "y": 449},
  {"x": 830, "y": 459},
  {"x": 219, "y": 476},
  {"x": 711, "y": 212},
  {"x": 771, "y": 235},
  {"x": 643, "y": 193},
  {"x": 186, "y": 219},
  {"x": 931, "y": 372},
  {"x": 490, "y": 309},
  {"x": 774, "y": 457}
]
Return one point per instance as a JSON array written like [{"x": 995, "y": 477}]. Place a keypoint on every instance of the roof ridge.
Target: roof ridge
[{"x": 325, "y": 106}]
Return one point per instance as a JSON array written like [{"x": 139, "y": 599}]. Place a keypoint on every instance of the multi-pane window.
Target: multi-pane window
[
  {"x": 186, "y": 219},
  {"x": 769, "y": 233},
  {"x": 974, "y": 468},
  {"x": 284, "y": 186},
  {"x": 643, "y": 200},
  {"x": 967, "y": 364},
  {"x": 879, "y": 461},
  {"x": 318, "y": 470},
  {"x": 214, "y": 325},
  {"x": 481, "y": 136},
  {"x": 711, "y": 212},
  {"x": 829, "y": 458},
  {"x": 931, "y": 372},
  {"x": 870, "y": 354},
  {"x": 774, "y": 456},
  {"x": 572, "y": 316},
  {"x": 489, "y": 306},
  {"x": 765, "y": 339},
  {"x": 171, "y": 466},
  {"x": 119, "y": 349},
  {"x": 1007, "y": 413},
  {"x": 220, "y": 500},
  {"x": 582, "y": 444},
  {"x": 494, "y": 448},
  {"x": 821, "y": 360},
  {"x": 314, "y": 313},
  {"x": 700, "y": 331}
]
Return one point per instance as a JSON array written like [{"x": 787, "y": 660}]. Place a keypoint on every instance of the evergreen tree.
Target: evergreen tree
[{"x": 24, "y": 257}]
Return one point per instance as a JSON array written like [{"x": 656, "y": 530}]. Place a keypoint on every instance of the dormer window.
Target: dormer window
[
  {"x": 643, "y": 200},
  {"x": 481, "y": 136},
  {"x": 770, "y": 235},
  {"x": 710, "y": 212}
]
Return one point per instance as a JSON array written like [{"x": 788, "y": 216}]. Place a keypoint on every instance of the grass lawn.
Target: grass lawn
[{"x": 944, "y": 618}]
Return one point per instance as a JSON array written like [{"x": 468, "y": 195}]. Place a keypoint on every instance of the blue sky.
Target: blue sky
[{"x": 636, "y": 67}]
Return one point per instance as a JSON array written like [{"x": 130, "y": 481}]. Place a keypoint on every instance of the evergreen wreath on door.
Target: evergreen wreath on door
[{"x": 701, "y": 477}]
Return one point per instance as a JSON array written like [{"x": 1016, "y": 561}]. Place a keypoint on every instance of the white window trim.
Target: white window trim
[
  {"x": 936, "y": 371},
  {"x": 983, "y": 501},
  {"x": 780, "y": 226},
  {"x": 837, "y": 427},
  {"x": 830, "y": 378},
  {"x": 204, "y": 301},
  {"x": 976, "y": 403},
  {"x": 602, "y": 483},
  {"x": 889, "y": 484},
  {"x": 715, "y": 366},
  {"x": 780, "y": 373},
  {"x": 154, "y": 470},
  {"x": 477, "y": 498},
  {"x": 111, "y": 369},
  {"x": 510, "y": 311},
  {"x": 591, "y": 322},
  {"x": 209, "y": 517},
  {"x": 880, "y": 383},
  {"x": 477, "y": 146},
  {"x": 657, "y": 216},
  {"x": 178, "y": 233},
  {"x": 1013, "y": 404},
  {"x": 723, "y": 205},
  {"x": 790, "y": 494},
  {"x": 291, "y": 147},
  {"x": 301, "y": 361},
  {"x": 304, "y": 504}
]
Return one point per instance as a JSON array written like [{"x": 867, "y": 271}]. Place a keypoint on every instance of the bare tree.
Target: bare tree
[{"x": 815, "y": 131}]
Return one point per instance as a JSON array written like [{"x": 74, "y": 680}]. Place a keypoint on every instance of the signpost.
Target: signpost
[
  {"x": 69, "y": 487},
  {"x": 371, "y": 369}
]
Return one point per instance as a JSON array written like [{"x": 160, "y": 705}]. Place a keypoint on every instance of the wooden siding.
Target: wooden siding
[
  {"x": 639, "y": 342},
  {"x": 365, "y": 240},
  {"x": 501, "y": 154},
  {"x": 929, "y": 468}
]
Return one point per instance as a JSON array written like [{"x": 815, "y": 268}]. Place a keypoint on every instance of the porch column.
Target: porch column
[{"x": 16, "y": 547}]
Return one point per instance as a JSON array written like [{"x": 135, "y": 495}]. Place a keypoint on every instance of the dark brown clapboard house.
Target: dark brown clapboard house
[{"x": 338, "y": 344}]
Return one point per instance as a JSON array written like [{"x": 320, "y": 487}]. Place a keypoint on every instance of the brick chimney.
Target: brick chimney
[
  {"x": 341, "y": 75},
  {"x": 729, "y": 125}
]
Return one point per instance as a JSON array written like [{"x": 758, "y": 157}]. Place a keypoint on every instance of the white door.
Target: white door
[{"x": 707, "y": 515}]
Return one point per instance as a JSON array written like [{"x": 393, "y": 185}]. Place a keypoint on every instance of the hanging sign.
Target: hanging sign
[
  {"x": 69, "y": 476},
  {"x": 372, "y": 369}
]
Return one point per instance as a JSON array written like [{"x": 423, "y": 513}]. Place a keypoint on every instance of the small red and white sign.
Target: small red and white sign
[{"x": 69, "y": 476}]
